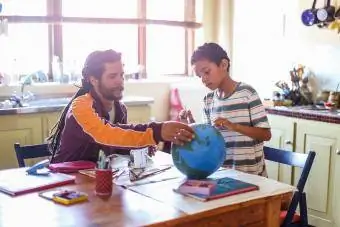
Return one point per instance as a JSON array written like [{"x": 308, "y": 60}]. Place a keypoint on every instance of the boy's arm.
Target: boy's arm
[{"x": 259, "y": 129}]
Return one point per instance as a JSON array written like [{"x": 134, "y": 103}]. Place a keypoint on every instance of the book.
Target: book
[
  {"x": 71, "y": 167},
  {"x": 66, "y": 197},
  {"x": 197, "y": 186},
  {"x": 17, "y": 181},
  {"x": 223, "y": 187}
]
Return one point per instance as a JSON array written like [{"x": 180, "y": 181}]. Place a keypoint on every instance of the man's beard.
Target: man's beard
[{"x": 111, "y": 94}]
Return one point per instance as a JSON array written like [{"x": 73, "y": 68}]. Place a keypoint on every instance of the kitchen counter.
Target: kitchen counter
[
  {"x": 307, "y": 113},
  {"x": 58, "y": 104}
]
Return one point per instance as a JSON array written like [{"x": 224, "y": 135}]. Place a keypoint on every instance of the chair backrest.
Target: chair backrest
[
  {"x": 304, "y": 161},
  {"x": 30, "y": 151}
]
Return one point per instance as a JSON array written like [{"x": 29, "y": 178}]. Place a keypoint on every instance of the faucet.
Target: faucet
[{"x": 29, "y": 95}]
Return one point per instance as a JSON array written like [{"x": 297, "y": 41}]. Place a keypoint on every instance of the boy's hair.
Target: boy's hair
[
  {"x": 211, "y": 52},
  {"x": 94, "y": 66}
]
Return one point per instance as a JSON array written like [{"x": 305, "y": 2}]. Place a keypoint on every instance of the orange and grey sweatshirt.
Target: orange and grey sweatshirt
[{"x": 88, "y": 129}]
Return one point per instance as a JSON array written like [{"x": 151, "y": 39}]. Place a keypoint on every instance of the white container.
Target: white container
[{"x": 139, "y": 158}]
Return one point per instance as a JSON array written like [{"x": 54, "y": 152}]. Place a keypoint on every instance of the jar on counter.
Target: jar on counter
[
  {"x": 334, "y": 97},
  {"x": 324, "y": 96}
]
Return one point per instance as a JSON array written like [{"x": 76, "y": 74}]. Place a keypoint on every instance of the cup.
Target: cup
[
  {"x": 103, "y": 183},
  {"x": 139, "y": 158},
  {"x": 334, "y": 97}
]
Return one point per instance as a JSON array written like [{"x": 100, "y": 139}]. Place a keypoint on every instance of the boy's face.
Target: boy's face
[{"x": 210, "y": 73}]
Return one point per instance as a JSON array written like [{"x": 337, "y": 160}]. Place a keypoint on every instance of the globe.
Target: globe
[{"x": 203, "y": 155}]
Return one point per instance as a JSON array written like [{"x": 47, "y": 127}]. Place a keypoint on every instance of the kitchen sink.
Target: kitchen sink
[{"x": 47, "y": 102}]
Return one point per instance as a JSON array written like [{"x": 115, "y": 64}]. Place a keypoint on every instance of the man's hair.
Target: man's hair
[
  {"x": 211, "y": 52},
  {"x": 94, "y": 66}
]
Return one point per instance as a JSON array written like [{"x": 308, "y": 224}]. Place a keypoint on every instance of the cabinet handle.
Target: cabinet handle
[
  {"x": 288, "y": 142},
  {"x": 337, "y": 151}
]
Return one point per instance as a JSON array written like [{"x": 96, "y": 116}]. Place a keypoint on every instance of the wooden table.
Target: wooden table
[{"x": 149, "y": 205}]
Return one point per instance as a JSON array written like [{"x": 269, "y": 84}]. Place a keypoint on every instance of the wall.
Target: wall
[
  {"x": 317, "y": 48},
  {"x": 269, "y": 44}
]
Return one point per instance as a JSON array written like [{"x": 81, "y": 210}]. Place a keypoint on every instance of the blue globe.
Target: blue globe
[{"x": 202, "y": 156}]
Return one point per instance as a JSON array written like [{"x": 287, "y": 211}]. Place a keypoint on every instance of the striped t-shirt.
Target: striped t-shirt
[{"x": 243, "y": 107}]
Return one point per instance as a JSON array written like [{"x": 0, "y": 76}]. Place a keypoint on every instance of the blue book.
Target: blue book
[{"x": 224, "y": 187}]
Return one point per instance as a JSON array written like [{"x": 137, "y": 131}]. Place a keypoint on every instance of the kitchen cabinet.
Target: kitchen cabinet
[
  {"x": 322, "y": 186},
  {"x": 298, "y": 135},
  {"x": 48, "y": 122},
  {"x": 24, "y": 129},
  {"x": 282, "y": 130},
  {"x": 139, "y": 114}
]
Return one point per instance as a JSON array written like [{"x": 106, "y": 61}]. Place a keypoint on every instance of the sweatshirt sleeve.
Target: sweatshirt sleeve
[{"x": 115, "y": 135}]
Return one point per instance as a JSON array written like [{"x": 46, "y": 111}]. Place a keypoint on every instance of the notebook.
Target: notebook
[
  {"x": 71, "y": 167},
  {"x": 17, "y": 181},
  {"x": 224, "y": 187}
]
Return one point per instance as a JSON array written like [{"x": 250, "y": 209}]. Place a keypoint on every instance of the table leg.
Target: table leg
[{"x": 272, "y": 213}]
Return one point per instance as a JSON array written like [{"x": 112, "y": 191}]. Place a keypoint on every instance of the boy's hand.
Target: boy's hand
[
  {"x": 224, "y": 124},
  {"x": 186, "y": 117}
]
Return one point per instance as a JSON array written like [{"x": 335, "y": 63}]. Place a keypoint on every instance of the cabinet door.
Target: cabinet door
[
  {"x": 139, "y": 114},
  {"x": 336, "y": 188},
  {"x": 323, "y": 138},
  {"x": 282, "y": 129},
  {"x": 48, "y": 121},
  {"x": 25, "y": 129}
]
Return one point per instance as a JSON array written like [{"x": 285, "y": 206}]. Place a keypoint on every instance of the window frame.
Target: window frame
[{"x": 55, "y": 21}]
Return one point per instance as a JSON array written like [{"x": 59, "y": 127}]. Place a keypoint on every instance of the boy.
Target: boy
[{"x": 234, "y": 107}]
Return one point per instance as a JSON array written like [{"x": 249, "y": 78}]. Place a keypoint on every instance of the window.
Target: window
[
  {"x": 25, "y": 50},
  {"x": 165, "y": 10},
  {"x": 24, "y": 8},
  {"x": 199, "y": 33},
  {"x": 165, "y": 50},
  {"x": 102, "y": 8},
  {"x": 81, "y": 39}
]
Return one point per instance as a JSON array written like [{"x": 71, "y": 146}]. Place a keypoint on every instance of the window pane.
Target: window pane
[
  {"x": 25, "y": 50},
  {"x": 24, "y": 8},
  {"x": 165, "y": 9},
  {"x": 102, "y": 8},
  {"x": 199, "y": 10},
  {"x": 165, "y": 50},
  {"x": 81, "y": 39}
]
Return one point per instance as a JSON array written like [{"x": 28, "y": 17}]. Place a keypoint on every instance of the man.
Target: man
[
  {"x": 84, "y": 127},
  {"x": 234, "y": 107}
]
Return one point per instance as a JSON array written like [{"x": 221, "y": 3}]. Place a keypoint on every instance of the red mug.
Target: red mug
[{"x": 103, "y": 182}]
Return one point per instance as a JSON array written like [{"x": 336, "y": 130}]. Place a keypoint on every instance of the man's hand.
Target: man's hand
[
  {"x": 186, "y": 117},
  {"x": 152, "y": 150},
  {"x": 176, "y": 132}
]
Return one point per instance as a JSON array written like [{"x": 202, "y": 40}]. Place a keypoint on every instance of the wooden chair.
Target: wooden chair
[
  {"x": 305, "y": 161},
  {"x": 30, "y": 151}
]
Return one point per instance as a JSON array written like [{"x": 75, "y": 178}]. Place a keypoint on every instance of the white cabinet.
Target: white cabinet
[
  {"x": 323, "y": 183},
  {"x": 282, "y": 130},
  {"x": 324, "y": 139}
]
